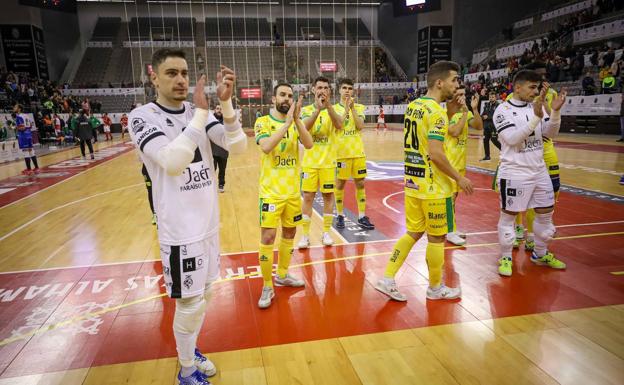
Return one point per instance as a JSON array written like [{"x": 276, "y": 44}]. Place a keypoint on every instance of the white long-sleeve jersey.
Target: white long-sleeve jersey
[
  {"x": 184, "y": 193},
  {"x": 521, "y": 133}
]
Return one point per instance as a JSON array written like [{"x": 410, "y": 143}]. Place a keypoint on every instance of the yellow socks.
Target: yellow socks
[
  {"x": 265, "y": 255},
  {"x": 399, "y": 253},
  {"x": 519, "y": 219},
  {"x": 327, "y": 222},
  {"x": 305, "y": 224},
  {"x": 360, "y": 196},
  {"x": 285, "y": 252},
  {"x": 339, "y": 201},
  {"x": 435, "y": 262}
]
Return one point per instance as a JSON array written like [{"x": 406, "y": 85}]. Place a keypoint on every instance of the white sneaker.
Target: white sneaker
[
  {"x": 461, "y": 234},
  {"x": 443, "y": 292},
  {"x": 289, "y": 280},
  {"x": 204, "y": 365},
  {"x": 455, "y": 239},
  {"x": 327, "y": 239},
  {"x": 304, "y": 242},
  {"x": 389, "y": 288},
  {"x": 266, "y": 297}
]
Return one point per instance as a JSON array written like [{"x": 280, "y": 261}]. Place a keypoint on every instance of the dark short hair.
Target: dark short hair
[
  {"x": 320, "y": 79},
  {"x": 440, "y": 70},
  {"x": 492, "y": 93},
  {"x": 345, "y": 81},
  {"x": 281, "y": 84},
  {"x": 527, "y": 76},
  {"x": 161, "y": 55}
]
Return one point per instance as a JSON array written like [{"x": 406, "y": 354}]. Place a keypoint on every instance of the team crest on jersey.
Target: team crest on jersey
[
  {"x": 138, "y": 125},
  {"x": 500, "y": 118},
  {"x": 440, "y": 123},
  {"x": 188, "y": 281}
]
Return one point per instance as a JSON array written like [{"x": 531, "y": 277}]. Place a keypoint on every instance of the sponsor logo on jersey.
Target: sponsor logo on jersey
[
  {"x": 196, "y": 179},
  {"x": 511, "y": 192},
  {"x": 284, "y": 161},
  {"x": 297, "y": 217},
  {"x": 169, "y": 122},
  {"x": 436, "y": 216},
  {"x": 410, "y": 184},
  {"x": 500, "y": 118},
  {"x": 417, "y": 172},
  {"x": 138, "y": 125},
  {"x": 268, "y": 207}
]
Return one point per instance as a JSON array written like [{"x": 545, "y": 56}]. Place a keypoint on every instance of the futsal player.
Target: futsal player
[
  {"x": 381, "y": 120},
  {"x": 550, "y": 158},
  {"x": 455, "y": 145},
  {"x": 173, "y": 139},
  {"x": 24, "y": 141},
  {"x": 523, "y": 180},
  {"x": 428, "y": 183},
  {"x": 351, "y": 157},
  {"x": 278, "y": 135},
  {"x": 319, "y": 162}
]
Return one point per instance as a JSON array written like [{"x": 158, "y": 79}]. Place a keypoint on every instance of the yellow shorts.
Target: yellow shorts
[
  {"x": 431, "y": 216},
  {"x": 313, "y": 178},
  {"x": 274, "y": 211},
  {"x": 352, "y": 168}
]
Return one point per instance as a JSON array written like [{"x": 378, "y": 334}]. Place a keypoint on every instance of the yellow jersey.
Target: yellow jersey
[
  {"x": 279, "y": 169},
  {"x": 323, "y": 153},
  {"x": 455, "y": 147},
  {"x": 424, "y": 120},
  {"x": 349, "y": 139}
]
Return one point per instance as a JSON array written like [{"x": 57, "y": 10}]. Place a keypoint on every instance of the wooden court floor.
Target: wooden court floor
[{"x": 80, "y": 283}]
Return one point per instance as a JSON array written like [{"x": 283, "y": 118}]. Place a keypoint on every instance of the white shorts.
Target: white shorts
[
  {"x": 188, "y": 269},
  {"x": 106, "y": 128},
  {"x": 517, "y": 195},
  {"x": 381, "y": 121}
]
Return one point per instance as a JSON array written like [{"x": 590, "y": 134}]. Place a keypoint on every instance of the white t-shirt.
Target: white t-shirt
[
  {"x": 186, "y": 205},
  {"x": 522, "y": 150}
]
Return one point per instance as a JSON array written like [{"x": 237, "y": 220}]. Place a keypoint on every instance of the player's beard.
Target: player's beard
[{"x": 283, "y": 108}]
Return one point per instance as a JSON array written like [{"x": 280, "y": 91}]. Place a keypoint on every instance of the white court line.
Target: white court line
[
  {"x": 115, "y": 156},
  {"x": 255, "y": 251},
  {"x": 5, "y": 236},
  {"x": 385, "y": 201}
]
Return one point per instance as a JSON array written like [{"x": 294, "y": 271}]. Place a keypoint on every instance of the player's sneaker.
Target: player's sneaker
[
  {"x": 266, "y": 297},
  {"x": 365, "y": 223},
  {"x": 92, "y": 156},
  {"x": 443, "y": 292},
  {"x": 154, "y": 220},
  {"x": 340, "y": 222},
  {"x": 548, "y": 260},
  {"x": 455, "y": 239},
  {"x": 289, "y": 280},
  {"x": 304, "y": 242},
  {"x": 461, "y": 234},
  {"x": 197, "y": 378},
  {"x": 529, "y": 244},
  {"x": 204, "y": 365},
  {"x": 221, "y": 189},
  {"x": 327, "y": 239},
  {"x": 622, "y": 180},
  {"x": 37, "y": 171},
  {"x": 485, "y": 159},
  {"x": 389, "y": 288},
  {"x": 505, "y": 266},
  {"x": 27, "y": 172},
  {"x": 519, "y": 232}
]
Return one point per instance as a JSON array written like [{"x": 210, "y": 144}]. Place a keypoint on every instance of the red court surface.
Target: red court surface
[
  {"x": 108, "y": 314},
  {"x": 20, "y": 186}
]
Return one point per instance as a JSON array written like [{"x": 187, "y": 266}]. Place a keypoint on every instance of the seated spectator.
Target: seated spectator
[
  {"x": 609, "y": 84},
  {"x": 588, "y": 84}
]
